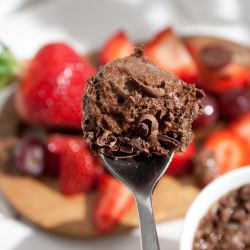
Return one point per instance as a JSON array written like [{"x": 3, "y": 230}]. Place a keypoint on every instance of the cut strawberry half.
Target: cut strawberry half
[
  {"x": 230, "y": 77},
  {"x": 79, "y": 169},
  {"x": 168, "y": 52},
  {"x": 242, "y": 128},
  {"x": 182, "y": 162},
  {"x": 229, "y": 150},
  {"x": 118, "y": 46},
  {"x": 222, "y": 65},
  {"x": 113, "y": 201}
]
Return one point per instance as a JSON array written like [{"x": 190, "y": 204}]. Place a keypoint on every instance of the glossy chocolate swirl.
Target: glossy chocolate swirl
[{"x": 132, "y": 107}]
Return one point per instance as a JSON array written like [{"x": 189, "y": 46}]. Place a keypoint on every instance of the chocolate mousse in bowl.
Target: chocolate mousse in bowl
[
  {"x": 227, "y": 223},
  {"x": 219, "y": 218}
]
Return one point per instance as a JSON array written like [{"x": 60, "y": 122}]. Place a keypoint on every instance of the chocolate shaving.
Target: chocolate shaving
[
  {"x": 168, "y": 140},
  {"x": 119, "y": 91},
  {"x": 151, "y": 123},
  {"x": 143, "y": 129},
  {"x": 162, "y": 113},
  {"x": 137, "y": 143},
  {"x": 126, "y": 149},
  {"x": 151, "y": 91},
  {"x": 106, "y": 140},
  {"x": 139, "y": 50}
]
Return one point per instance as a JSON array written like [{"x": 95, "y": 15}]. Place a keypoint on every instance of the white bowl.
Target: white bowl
[{"x": 207, "y": 198}]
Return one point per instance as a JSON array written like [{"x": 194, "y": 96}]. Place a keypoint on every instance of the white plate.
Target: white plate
[{"x": 86, "y": 24}]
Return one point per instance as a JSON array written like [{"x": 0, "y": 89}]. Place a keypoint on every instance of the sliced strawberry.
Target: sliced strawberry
[
  {"x": 222, "y": 65},
  {"x": 113, "y": 201},
  {"x": 79, "y": 169},
  {"x": 222, "y": 151},
  {"x": 182, "y": 162},
  {"x": 230, "y": 77},
  {"x": 168, "y": 52},
  {"x": 117, "y": 46},
  {"x": 229, "y": 150},
  {"x": 242, "y": 128}
]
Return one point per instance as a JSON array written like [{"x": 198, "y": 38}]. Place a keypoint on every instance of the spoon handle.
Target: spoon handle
[{"x": 149, "y": 238}]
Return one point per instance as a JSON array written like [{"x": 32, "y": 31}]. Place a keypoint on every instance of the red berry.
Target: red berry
[
  {"x": 113, "y": 201},
  {"x": 33, "y": 157},
  {"x": 118, "y": 46},
  {"x": 182, "y": 162},
  {"x": 235, "y": 103},
  {"x": 50, "y": 93},
  {"x": 210, "y": 113},
  {"x": 79, "y": 169},
  {"x": 30, "y": 156},
  {"x": 168, "y": 52}
]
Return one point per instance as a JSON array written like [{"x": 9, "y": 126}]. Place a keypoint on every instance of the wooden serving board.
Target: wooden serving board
[{"x": 41, "y": 203}]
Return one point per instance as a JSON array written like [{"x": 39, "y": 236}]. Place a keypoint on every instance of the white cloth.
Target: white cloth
[{"x": 8, "y": 6}]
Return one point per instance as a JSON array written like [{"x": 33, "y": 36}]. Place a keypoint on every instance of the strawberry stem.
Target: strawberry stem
[{"x": 8, "y": 66}]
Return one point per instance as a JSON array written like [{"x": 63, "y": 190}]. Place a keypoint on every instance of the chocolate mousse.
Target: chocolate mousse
[
  {"x": 226, "y": 226},
  {"x": 132, "y": 107}
]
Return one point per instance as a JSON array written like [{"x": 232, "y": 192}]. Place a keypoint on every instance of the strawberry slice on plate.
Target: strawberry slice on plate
[
  {"x": 79, "y": 169},
  {"x": 113, "y": 201},
  {"x": 229, "y": 150},
  {"x": 182, "y": 162},
  {"x": 168, "y": 52},
  {"x": 222, "y": 65},
  {"x": 118, "y": 46},
  {"x": 223, "y": 151},
  {"x": 242, "y": 128}
]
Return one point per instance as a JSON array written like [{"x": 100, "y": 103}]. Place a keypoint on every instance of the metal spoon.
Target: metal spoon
[{"x": 140, "y": 175}]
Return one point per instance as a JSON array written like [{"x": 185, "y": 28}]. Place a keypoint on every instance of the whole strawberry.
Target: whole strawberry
[{"x": 50, "y": 91}]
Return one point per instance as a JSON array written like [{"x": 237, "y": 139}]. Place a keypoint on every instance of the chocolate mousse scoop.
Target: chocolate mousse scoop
[{"x": 132, "y": 107}]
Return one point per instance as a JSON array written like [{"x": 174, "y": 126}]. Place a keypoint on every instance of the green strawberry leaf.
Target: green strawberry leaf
[{"x": 8, "y": 66}]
